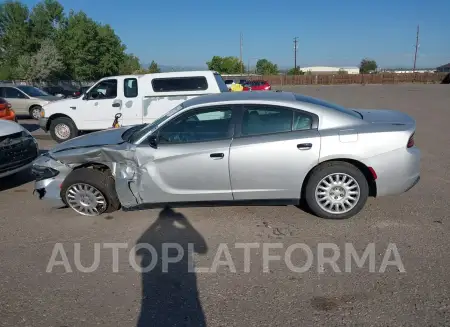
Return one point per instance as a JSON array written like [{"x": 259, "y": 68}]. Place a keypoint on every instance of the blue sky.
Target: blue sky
[{"x": 330, "y": 32}]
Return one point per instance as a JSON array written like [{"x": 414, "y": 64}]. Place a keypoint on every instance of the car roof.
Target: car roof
[{"x": 241, "y": 96}]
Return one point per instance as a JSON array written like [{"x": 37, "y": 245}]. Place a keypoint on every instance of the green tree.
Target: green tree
[
  {"x": 342, "y": 72},
  {"x": 153, "y": 68},
  {"x": 129, "y": 65},
  {"x": 367, "y": 66},
  {"x": 44, "y": 64},
  {"x": 90, "y": 50},
  {"x": 265, "y": 67},
  {"x": 14, "y": 35},
  {"x": 226, "y": 65},
  {"x": 295, "y": 71}
]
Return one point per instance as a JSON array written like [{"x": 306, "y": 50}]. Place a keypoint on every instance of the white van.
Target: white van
[{"x": 138, "y": 98}]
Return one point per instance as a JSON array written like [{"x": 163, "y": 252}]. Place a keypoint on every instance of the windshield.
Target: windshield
[
  {"x": 139, "y": 133},
  {"x": 32, "y": 91},
  {"x": 325, "y": 104}
]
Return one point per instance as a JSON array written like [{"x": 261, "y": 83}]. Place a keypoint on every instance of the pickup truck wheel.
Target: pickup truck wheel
[
  {"x": 63, "y": 129},
  {"x": 35, "y": 112},
  {"x": 90, "y": 192}
]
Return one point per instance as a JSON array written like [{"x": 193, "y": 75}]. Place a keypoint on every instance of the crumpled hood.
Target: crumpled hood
[{"x": 107, "y": 137}]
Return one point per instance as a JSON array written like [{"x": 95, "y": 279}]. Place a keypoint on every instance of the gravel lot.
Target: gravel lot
[{"x": 417, "y": 222}]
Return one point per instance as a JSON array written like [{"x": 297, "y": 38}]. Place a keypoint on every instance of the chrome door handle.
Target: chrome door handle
[
  {"x": 73, "y": 108},
  {"x": 304, "y": 146}
]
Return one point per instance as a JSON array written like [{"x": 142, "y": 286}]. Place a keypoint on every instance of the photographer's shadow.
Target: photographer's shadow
[{"x": 169, "y": 289}]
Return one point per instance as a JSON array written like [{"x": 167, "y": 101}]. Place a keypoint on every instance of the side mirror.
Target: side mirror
[{"x": 153, "y": 141}]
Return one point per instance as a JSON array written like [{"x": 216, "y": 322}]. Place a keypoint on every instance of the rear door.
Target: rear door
[
  {"x": 19, "y": 101},
  {"x": 169, "y": 92},
  {"x": 273, "y": 150},
  {"x": 131, "y": 107}
]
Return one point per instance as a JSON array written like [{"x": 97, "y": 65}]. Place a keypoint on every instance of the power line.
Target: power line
[
  {"x": 417, "y": 47},
  {"x": 295, "y": 54}
]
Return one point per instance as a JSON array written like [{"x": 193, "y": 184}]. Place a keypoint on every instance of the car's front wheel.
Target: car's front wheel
[
  {"x": 90, "y": 192},
  {"x": 336, "y": 190},
  {"x": 35, "y": 112},
  {"x": 63, "y": 129}
]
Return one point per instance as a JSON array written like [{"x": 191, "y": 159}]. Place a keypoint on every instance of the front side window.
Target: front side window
[
  {"x": 179, "y": 84},
  {"x": 13, "y": 93},
  {"x": 198, "y": 126},
  {"x": 106, "y": 89},
  {"x": 260, "y": 119},
  {"x": 130, "y": 87}
]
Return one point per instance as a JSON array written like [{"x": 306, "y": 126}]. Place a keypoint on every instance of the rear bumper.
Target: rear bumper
[
  {"x": 398, "y": 171},
  {"x": 43, "y": 124}
]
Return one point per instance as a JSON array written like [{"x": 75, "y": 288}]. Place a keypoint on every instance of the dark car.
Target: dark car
[
  {"x": 56, "y": 90},
  {"x": 82, "y": 90}
]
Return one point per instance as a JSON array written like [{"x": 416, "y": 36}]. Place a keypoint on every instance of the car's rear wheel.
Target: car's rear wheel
[
  {"x": 336, "y": 190},
  {"x": 35, "y": 112},
  {"x": 90, "y": 192},
  {"x": 63, "y": 129}
]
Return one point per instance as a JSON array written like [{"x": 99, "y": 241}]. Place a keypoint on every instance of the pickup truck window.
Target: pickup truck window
[
  {"x": 130, "y": 87},
  {"x": 106, "y": 89},
  {"x": 178, "y": 84}
]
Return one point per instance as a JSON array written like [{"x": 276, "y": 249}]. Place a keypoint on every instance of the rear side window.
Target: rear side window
[
  {"x": 179, "y": 84},
  {"x": 130, "y": 87}
]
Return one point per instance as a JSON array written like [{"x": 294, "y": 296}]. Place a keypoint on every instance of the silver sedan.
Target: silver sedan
[{"x": 238, "y": 148}]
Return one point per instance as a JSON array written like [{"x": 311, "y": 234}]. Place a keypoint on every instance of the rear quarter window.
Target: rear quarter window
[
  {"x": 179, "y": 84},
  {"x": 325, "y": 104}
]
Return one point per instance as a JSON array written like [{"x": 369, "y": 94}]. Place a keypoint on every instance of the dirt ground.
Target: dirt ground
[{"x": 116, "y": 294}]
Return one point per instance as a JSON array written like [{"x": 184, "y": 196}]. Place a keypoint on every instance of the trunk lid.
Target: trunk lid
[{"x": 382, "y": 116}]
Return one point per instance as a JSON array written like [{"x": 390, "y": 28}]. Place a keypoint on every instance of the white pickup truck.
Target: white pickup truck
[{"x": 138, "y": 98}]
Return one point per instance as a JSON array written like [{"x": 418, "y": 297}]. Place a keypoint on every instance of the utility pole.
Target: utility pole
[
  {"x": 295, "y": 54},
  {"x": 242, "y": 63},
  {"x": 417, "y": 47}
]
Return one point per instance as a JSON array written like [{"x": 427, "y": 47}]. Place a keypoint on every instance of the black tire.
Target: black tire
[
  {"x": 33, "y": 109},
  {"x": 334, "y": 167},
  {"x": 102, "y": 181},
  {"x": 73, "y": 130}
]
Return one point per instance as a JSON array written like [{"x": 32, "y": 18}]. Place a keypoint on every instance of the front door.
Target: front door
[
  {"x": 102, "y": 103},
  {"x": 190, "y": 162},
  {"x": 273, "y": 150}
]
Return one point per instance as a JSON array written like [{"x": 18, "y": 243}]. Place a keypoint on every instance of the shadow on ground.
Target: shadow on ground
[
  {"x": 18, "y": 179},
  {"x": 30, "y": 127},
  {"x": 169, "y": 283}
]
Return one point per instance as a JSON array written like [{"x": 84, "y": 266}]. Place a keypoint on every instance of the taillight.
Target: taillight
[{"x": 410, "y": 141}]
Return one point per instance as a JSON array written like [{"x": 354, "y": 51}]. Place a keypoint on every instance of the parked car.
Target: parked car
[
  {"x": 6, "y": 112},
  {"x": 64, "y": 92},
  {"x": 234, "y": 148},
  {"x": 81, "y": 91},
  {"x": 25, "y": 99},
  {"x": 229, "y": 83},
  {"x": 257, "y": 86},
  {"x": 138, "y": 98},
  {"x": 18, "y": 148}
]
